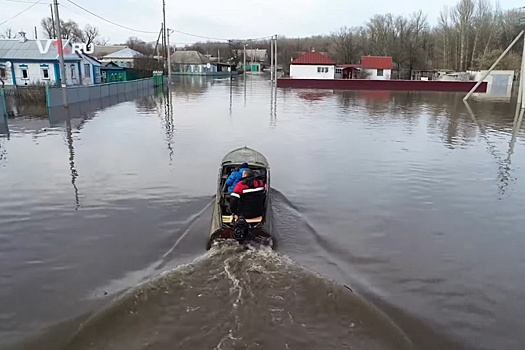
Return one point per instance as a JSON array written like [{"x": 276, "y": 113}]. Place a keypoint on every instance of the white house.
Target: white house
[
  {"x": 192, "y": 62},
  {"x": 312, "y": 65},
  {"x": 123, "y": 58},
  {"x": 377, "y": 67},
  {"x": 90, "y": 70},
  {"x": 23, "y": 63}
]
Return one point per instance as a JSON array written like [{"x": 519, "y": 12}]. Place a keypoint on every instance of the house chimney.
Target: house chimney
[{"x": 22, "y": 38}]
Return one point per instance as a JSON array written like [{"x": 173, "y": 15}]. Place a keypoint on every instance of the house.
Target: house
[
  {"x": 27, "y": 62},
  {"x": 103, "y": 50},
  {"x": 256, "y": 59},
  {"x": 348, "y": 71},
  {"x": 193, "y": 62},
  {"x": 312, "y": 65},
  {"x": 256, "y": 55},
  {"x": 123, "y": 58},
  {"x": 112, "y": 72},
  {"x": 377, "y": 67},
  {"x": 90, "y": 72}
]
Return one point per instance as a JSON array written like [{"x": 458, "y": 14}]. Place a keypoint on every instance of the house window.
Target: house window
[
  {"x": 25, "y": 74},
  {"x": 45, "y": 73},
  {"x": 322, "y": 69},
  {"x": 73, "y": 72},
  {"x": 379, "y": 72},
  {"x": 2, "y": 73},
  {"x": 87, "y": 70},
  {"x": 338, "y": 71}
]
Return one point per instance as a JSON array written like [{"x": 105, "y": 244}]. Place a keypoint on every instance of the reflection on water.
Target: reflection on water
[
  {"x": 412, "y": 199},
  {"x": 504, "y": 175}
]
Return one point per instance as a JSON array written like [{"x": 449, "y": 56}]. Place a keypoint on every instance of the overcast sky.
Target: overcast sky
[{"x": 238, "y": 19}]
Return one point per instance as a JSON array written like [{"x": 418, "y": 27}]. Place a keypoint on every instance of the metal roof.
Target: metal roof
[
  {"x": 245, "y": 154},
  {"x": 124, "y": 53},
  {"x": 11, "y": 49},
  {"x": 189, "y": 57},
  {"x": 258, "y": 54},
  {"x": 376, "y": 62},
  {"x": 313, "y": 58},
  {"x": 102, "y": 50}
]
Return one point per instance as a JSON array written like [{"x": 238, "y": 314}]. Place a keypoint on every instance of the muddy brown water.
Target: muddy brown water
[{"x": 410, "y": 200}]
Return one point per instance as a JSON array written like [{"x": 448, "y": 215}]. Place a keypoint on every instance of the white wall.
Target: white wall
[
  {"x": 35, "y": 73},
  {"x": 499, "y": 83},
  {"x": 88, "y": 72},
  {"x": 72, "y": 75},
  {"x": 302, "y": 71},
  {"x": 372, "y": 74}
]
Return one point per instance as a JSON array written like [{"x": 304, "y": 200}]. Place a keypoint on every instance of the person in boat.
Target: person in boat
[
  {"x": 235, "y": 177},
  {"x": 247, "y": 198}
]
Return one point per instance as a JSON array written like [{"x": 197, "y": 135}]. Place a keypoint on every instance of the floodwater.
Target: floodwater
[{"x": 397, "y": 215}]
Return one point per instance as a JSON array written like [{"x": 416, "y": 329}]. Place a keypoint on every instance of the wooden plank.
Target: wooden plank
[{"x": 227, "y": 219}]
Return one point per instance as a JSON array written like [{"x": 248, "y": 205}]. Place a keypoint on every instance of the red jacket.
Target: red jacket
[{"x": 247, "y": 198}]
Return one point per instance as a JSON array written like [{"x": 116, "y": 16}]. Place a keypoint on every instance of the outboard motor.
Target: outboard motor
[{"x": 241, "y": 229}]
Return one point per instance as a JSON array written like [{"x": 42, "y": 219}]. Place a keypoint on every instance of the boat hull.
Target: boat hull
[{"x": 221, "y": 226}]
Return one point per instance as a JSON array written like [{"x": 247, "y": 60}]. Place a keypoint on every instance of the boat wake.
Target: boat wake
[
  {"x": 235, "y": 298},
  {"x": 238, "y": 298}
]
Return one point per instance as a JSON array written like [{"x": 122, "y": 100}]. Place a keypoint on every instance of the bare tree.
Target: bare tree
[
  {"x": 101, "y": 41},
  {"x": 467, "y": 36},
  {"x": 344, "y": 46},
  {"x": 48, "y": 27},
  {"x": 140, "y": 46},
  {"x": 90, "y": 34},
  {"x": 69, "y": 29},
  {"x": 462, "y": 16},
  {"x": 8, "y": 34}
]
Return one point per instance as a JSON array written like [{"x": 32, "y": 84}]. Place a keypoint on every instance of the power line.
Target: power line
[
  {"x": 107, "y": 20},
  {"x": 19, "y": 13},
  {"x": 199, "y": 36},
  {"x": 128, "y": 28},
  {"x": 75, "y": 12},
  {"x": 148, "y": 32}
]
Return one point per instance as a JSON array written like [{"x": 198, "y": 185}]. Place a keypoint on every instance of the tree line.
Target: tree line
[{"x": 467, "y": 36}]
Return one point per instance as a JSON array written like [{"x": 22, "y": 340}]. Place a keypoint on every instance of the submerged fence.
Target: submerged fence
[{"x": 80, "y": 94}]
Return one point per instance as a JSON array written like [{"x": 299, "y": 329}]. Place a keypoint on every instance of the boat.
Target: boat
[{"x": 222, "y": 225}]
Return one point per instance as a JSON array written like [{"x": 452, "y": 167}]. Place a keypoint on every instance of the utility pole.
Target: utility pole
[
  {"x": 271, "y": 59},
  {"x": 165, "y": 31},
  {"x": 63, "y": 79},
  {"x": 244, "y": 61},
  {"x": 163, "y": 45},
  {"x": 53, "y": 20},
  {"x": 275, "y": 57},
  {"x": 169, "y": 57},
  {"x": 494, "y": 65}
]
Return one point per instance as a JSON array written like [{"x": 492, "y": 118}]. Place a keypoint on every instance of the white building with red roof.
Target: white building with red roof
[
  {"x": 377, "y": 67},
  {"x": 312, "y": 65}
]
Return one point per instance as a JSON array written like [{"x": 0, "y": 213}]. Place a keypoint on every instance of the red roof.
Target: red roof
[
  {"x": 312, "y": 58},
  {"x": 376, "y": 62}
]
